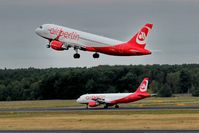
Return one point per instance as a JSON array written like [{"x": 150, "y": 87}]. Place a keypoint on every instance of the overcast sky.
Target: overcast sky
[{"x": 175, "y": 33}]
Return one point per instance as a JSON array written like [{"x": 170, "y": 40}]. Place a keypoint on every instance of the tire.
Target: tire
[
  {"x": 117, "y": 106},
  {"x": 106, "y": 107},
  {"x": 76, "y": 56},
  {"x": 48, "y": 46},
  {"x": 95, "y": 55}
]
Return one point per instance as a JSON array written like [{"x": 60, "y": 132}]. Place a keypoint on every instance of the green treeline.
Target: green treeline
[{"x": 70, "y": 83}]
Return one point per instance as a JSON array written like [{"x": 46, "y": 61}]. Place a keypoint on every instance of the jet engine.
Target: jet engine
[
  {"x": 56, "y": 45},
  {"x": 93, "y": 104}
]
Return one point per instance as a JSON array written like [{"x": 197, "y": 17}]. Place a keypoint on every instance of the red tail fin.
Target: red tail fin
[
  {"x": 139, "y": 40},
  {"x": 143, "y": 86}
]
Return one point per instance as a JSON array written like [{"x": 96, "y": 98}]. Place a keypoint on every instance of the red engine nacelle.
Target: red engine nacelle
[
  {"x": 56, "y": 45},
  {"x": 92, "y": 104}
]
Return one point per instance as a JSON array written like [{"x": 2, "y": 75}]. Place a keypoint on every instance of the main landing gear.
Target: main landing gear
[
  {"x": 117, "y": 106},
  {"x": 76, "y": 55},
  {"x": 96, "y": 55},
  {"x": 106, "y": 106}
]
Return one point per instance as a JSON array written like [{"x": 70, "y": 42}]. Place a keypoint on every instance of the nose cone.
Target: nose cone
[
  {"x": 38, "y": 31},
  {"x": 78, "y": 100}
]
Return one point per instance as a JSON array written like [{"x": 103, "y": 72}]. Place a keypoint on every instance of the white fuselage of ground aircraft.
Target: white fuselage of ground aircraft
[{"x": 110, "y": 99}]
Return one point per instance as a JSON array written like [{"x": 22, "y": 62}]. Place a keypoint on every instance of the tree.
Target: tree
[
  {"x": 128, "y": 82},
  {"x": 70, "y": 83},
  {"x": 185, "y": 81},
  {"x": 195, "y": 91},
  {"x": 3, "y": 95},
  {"x": 90, "y": 85},
  {"x": 165, "y": 91},
  {"x": 173, "y": 81},
  {"x": 154, "y": 86}
]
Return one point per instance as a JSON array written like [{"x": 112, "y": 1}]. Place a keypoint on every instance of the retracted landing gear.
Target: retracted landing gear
[{"x": 95, "y": 55}]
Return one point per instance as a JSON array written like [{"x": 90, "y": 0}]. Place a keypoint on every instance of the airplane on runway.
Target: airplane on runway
[
  {"x": 111, "y": 99},
  {"x": 62, "y": 38}
]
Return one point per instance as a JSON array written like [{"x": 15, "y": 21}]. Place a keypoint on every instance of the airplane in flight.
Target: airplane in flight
[
  {"x": 62, "y": 38},
  {"x": 111, "y": 99}
]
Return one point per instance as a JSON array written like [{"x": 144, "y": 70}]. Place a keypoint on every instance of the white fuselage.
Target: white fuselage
[
  {"x": 109, "y": 97},
  {"x": 74, "y": 37},
  {"x": 62, "y": 38}
]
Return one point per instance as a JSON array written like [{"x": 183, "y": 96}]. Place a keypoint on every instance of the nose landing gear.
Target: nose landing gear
[{"x": 48, "y": 46}]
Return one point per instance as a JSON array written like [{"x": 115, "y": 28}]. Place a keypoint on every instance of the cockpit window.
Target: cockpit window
[{"x": 40, "y": 27}]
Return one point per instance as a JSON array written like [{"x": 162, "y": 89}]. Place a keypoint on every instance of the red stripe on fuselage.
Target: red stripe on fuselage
[
  {"x": 120, "y": 50},
  {"x": 131, "y": 98}
]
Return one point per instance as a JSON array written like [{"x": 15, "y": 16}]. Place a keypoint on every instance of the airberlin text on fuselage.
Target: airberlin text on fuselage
[
  {"x": 65, "y": 34},
  {"x": 94, "y": 97}
]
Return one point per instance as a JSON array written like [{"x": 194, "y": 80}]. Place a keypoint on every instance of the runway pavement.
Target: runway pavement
[
  {"x": 70, "y": 109},
  {"x": 100, "y": 131}
]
